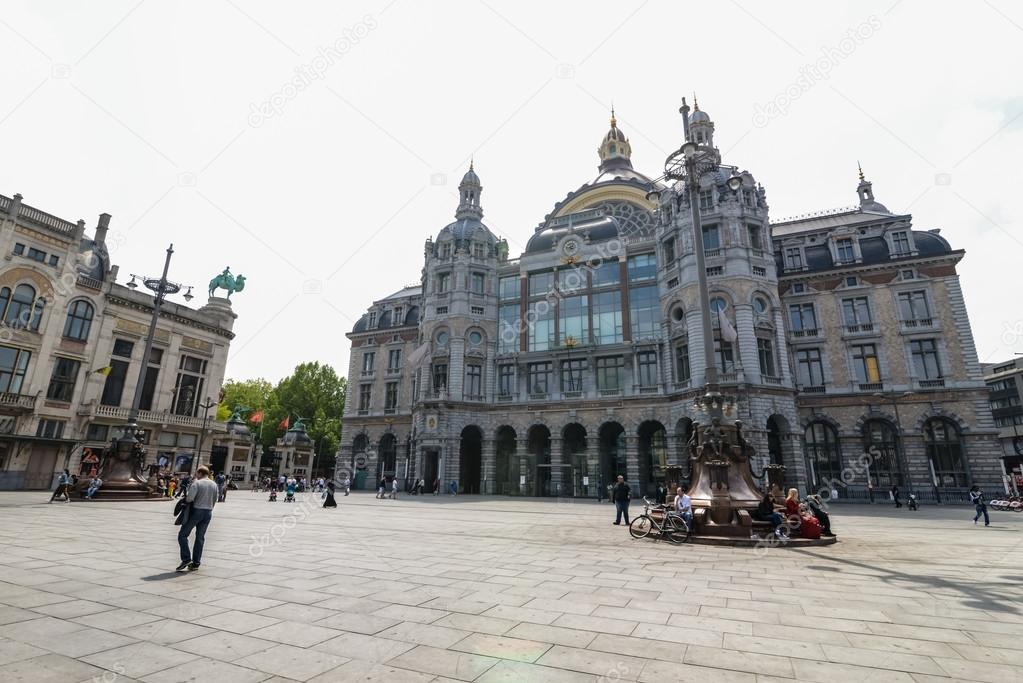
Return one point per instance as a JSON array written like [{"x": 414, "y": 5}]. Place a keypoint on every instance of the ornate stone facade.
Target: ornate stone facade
[
  {"x": 552, "y": 373},
  {"x": 71, "y": 342}
]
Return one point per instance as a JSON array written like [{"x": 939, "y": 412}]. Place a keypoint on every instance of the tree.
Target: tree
[{"x": 253, "y": 394}]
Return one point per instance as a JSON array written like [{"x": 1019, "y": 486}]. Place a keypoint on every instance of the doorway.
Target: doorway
[
  {"x": 41, "y": 465},
  {"x": 470, "y": 455}
]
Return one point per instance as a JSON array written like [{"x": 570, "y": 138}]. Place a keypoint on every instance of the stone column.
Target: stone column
[
  {"x": 795, "y": 464},
  {"x": 632, "y": 463},
  {"x": 694, "y": 328},
  {"x": 522, "y": 453},
  {"x": 747, "y": 343},
  {"x": 489, "y": 466},
  {"x": 557, "y": 444},
  {"x": 781, "y": 349}
]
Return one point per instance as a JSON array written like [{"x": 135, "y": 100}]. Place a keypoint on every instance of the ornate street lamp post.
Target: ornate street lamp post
[
  {"x": 123, "y": 472},
  {"x": 900, "y": 445}
]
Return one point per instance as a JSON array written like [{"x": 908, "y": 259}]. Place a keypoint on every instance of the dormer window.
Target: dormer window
[
  {"x": 445, "y": 250},
  {"x": 845, "y": 250},
  {"x": 478, "y": 251},
  {"x": 372, "y": 318},
  {"x": 794, "y": 258},
  {"x": 900, "y": 243},
  {"x": 396, "y": 317}
]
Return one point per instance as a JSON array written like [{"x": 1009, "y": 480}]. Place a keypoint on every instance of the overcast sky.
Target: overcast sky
[{"x": 182, "y": 120}]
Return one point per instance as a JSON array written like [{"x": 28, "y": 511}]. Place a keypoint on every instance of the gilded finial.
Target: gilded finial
[
  {"x": 696, "y": 105},
  {"x": 861, "y": 171},
  {"x": 472, "y": 159},
  {"x": 614, "y": 121}
]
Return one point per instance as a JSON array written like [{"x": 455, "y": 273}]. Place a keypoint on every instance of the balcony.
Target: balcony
[
  {"x": 812, "y": 389},
  {"x": 366, "y": 374},
  {"x": 870, "y": 386},
  {"x": 861, "y": 328},
  {"x": 538, "y": 396},
  {"x": 811, "y": 333},
  {"x": 393, "y": 372},
  {"x": 682, "y": 386},
  {"x": 363, "y": 412},
  {"x": 473, "y": 397},
  {"x": 572, "y": 394},
  {"x": 728, "y": 377},
  {"x": 19, "y": 403},
  {"x": 159, "y": 417},
  {"x": 390, "y": 411},
  {"x": 505, "y": 398},
  {"x": 649, "y": 390},
  {"x": 918, "y": 323},
  {"x": 931, "y": 383},
  {"x": 768, "y": 379},
  {"x": 607, "y": 393}
]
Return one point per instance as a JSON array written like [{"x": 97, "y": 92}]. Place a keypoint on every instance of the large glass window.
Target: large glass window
[
  {"x": 13, "y": 364},
  {"x": 646, "y": 363},
  {"x": 508, "y": 335},
  {"x": 189, "y": 387},
  {"x": 539, "y": 377},
  {"x": 474, "y": 381},
  {"x": 365, "y": 392},
  {"x": 572, "y": 374},
  {"x": 23, "y": 310},
  {"x": 509, "y": 288},
  {"x": 606, "y": 273},
  {"x": 945, "y": 451},
  {"x": 913, "y": 305},
  {"x": 802, "y": 317},
  {"x": 711, "y": 237},
  {"x": 391, "y": 397},
  {"x": 865, "y": 365},
  {"x": 367, "y": 361},
  {"x": 610, "y": 373},
  {"x": 809, "y": 368},
  {"x": 440, "y": 376},
  {"x": 607, "y": 318},
  {"x": 506, "y": 380},
  {"x": 571, "y": 280},
  {"x": 682, "y": 371},
  {"x": 149, "y": 382},
  {"x": 478, "y": 283},
  {"x": 881, "y": 447},
  {"x": 856, "y": 311},
  {"x": 644, "y": 312},
  {"x": 62, "y": 381},
  {"x": 724, "y": 355},
  {"x": 394, "y": 359},
  {"x": 642, "y": 267},
  {"x": 113, "y": 387},
  {"x": 574, "y": 321},
  {"x": 443, "y": 283},
  {"x": 79, "y": 320},
  {"x": 822, "y": 454},
  {"x": 765, "y": 352},
  {"x": 925, "y": 359},
  {"x": 540, "y": 325},
  {"x": 845, "y": 251},
  {"x": 541, "y": 283}
]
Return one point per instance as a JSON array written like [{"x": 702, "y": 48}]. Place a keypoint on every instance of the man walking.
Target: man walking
[
  {"x": 202, "y": 496},
  {"x": 621, "y": 494},
  {"x": 63, "y": 484},
  {"x": 977, "y": 498}
]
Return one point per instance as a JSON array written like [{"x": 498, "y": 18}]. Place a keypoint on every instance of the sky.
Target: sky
[{"x": 314, "y": 146}]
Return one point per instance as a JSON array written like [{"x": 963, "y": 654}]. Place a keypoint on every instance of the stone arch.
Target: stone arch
[
  {"x": 506, "y": 465},
  {"x": 611, "y": 449},
  {"x": 538, "y": 453},
  {"x": 652, "y": 440},
  {"x": 387, "y": 455},
  {"x": 937, "y": 412},
  {"x": 470, "y": 459}
]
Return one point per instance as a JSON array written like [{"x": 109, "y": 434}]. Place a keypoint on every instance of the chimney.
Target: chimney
[{"x": 101, "y": 229}]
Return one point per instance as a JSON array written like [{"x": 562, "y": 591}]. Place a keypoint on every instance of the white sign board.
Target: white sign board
[
  {"x": 586, "y": 481},
  {"x": 522, "y": 480}
]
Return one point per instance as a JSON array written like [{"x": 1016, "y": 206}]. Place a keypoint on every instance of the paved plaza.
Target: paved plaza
[{"x": 493, "y": 590}]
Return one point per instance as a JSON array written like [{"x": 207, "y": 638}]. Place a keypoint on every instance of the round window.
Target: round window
[
  {"x": 718, "y": 304},
  {"x": 475, "y": 338},
  {"x": 442, "y": 338},
  {"x": 678, "y": 314},
  {"x": 759, "y": 305}
]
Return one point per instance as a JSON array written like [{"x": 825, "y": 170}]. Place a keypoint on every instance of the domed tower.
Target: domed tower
[
  {"x": 615, "y": 151},
  {"x": 460, "y": 302},
  {"x": 746, "y": 315}
]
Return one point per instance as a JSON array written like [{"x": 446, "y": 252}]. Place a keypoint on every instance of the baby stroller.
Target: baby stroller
[
  {"x": 273, "y": 495},
  {"x": 289, "y": 494}
]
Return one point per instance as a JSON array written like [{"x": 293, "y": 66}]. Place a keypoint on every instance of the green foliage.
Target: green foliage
[{"x": 313, "y": 392}]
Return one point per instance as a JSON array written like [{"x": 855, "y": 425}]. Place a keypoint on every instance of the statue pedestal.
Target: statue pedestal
[
  {"x": 722, "y": 480},
  {"x": 121, "y": 474}
]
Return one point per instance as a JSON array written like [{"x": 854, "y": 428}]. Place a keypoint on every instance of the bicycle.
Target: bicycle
[{"x": 672, "y": 526}]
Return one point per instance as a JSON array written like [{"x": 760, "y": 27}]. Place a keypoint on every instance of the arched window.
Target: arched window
[
  {"x": 822, "y": 454},
  {"x": 79, "y": 320},
  {"x": 945, "y": 452},
  {"x": 24, "y": 311},
  {"x": 882, "y": 448}
]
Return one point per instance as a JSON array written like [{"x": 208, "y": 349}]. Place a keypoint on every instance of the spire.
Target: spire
[
  {"x": 865, "y": 190},
  {"x": 469, "y": 191},
  {"x": 615, "y": 150}
]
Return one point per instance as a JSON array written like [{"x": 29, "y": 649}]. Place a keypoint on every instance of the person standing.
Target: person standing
[
  {"x": 895, "y": 496},
  {"x": 329, "y": 501},
  {"x": 63, "y": 482},
  {"x": 870, "y": 490},
  {"x": 381, "y": 487},
  {"x": 202, "y": 496},
  {"x": 348, "y": 485},
  {"x": 436, "y": 486},
  {"x": 977, "y": 498},
  {"x": 621, "y": 494},
  {"x": 394, "y": 489}
]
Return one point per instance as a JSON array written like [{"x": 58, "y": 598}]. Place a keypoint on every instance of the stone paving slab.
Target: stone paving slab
[{"x": 495, "y": 590}]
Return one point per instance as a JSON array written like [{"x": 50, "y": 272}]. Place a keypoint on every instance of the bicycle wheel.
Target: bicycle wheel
[
  {"x": 676, "y": 531},
  {"x": 641, "y": 526}
]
